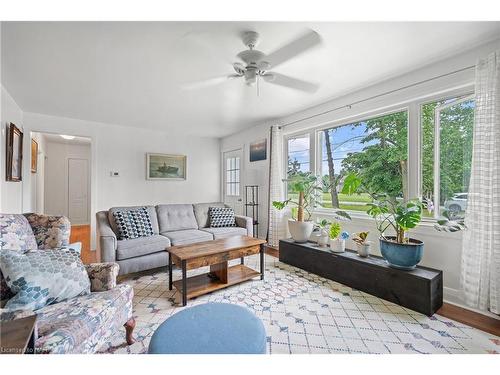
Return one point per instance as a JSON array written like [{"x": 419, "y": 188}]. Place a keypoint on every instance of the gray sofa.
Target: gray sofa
[{"x": 173, "y": 224}]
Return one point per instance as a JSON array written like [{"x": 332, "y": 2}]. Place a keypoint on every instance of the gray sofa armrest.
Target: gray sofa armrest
[
  {"x": 245, "y": 222},
  {"x": 107, "y": 238}
]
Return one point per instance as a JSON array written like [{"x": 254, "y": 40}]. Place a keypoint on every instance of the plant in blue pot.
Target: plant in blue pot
[{"x": 398, "y": 216}]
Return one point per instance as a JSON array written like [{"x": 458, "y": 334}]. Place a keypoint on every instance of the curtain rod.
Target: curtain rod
[{"x": 377, "y": 96}]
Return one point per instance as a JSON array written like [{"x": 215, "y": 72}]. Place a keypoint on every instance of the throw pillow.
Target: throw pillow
[
  {"x": 133, "y": 223},
  {"x": 42, "y": 277},
  {"x": 221, "y": 217}
]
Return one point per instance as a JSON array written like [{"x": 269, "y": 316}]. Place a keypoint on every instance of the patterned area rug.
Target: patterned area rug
[{"x": 305, "y": 313}]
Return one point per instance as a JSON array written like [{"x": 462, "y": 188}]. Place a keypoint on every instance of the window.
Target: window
[
  {"x": 447, "y": 127},
  {"x": 298, "y": 153},
  {"x": 233, "y": 176},
  {"x": 376, "y": 149}
]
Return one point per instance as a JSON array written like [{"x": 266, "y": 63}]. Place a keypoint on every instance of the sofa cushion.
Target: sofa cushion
[
  {"x": 83, "y": 324},
  {"x": 221, "y": 217},
  {"x": 16, "y": 233},
  {"x": 185, "y": 237},
  {"x": 42, "y": 277},
  {"x": 152, "y": 215},
  {"x": 201, "y": 213},
  {"x": 226, "y": 232},
  {"x": 133, "y": 223},
  {"x": 126, "y": 249},
  {"x": 50, "y": 231},
  {"x": 172, "y": 217}
]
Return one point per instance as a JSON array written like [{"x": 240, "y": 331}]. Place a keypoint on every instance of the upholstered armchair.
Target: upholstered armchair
[{"x": 76, "y": 325}]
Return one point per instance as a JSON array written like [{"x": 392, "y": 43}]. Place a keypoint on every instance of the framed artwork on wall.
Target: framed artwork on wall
[
  {"x": 14, "y": 154},
  {"x": 258, "y": 150},
  {"x": 34, "y": 156},
  {"x": 166, "y": 167}
]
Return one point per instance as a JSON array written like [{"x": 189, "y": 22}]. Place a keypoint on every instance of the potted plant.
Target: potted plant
[
  {"x": 362, "y": 244},
  {"x": 323, "y": 236},
  {"x": 400, "y": 251},
  {"x": 308, "y": 188},
  {"x": 337, "y": 238}
]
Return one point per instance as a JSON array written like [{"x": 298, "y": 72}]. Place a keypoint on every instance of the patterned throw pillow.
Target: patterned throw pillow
[
  {"x": 16, "y": 233},
  {"x": 42, "y": 277},
  {"x": 221, "y": 217},
  {"x": 133, "y": 223}
]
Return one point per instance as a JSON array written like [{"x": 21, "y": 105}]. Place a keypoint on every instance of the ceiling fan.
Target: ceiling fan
[{"x": 256, "y": 64}]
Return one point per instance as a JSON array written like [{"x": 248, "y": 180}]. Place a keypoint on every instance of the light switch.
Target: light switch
[{"x": 114, "y": 174}]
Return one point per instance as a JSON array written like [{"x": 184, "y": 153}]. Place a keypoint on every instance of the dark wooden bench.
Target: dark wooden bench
[{"x": 420, "y": 289}]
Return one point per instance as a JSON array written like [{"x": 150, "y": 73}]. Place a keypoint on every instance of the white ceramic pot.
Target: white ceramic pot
[
  {"x": 300, "y": 230},
  {"x": 364, "y": 249},
  {"x": 315, "y": 235},
  {"x": 323, "y": 238},
  {"x": 337, "y": 245}
]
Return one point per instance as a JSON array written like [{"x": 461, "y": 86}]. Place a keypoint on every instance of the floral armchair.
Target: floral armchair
[{"x": 77, "y": 325}]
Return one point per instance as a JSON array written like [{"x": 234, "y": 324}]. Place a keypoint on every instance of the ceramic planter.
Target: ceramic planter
[
  {"x": 403, "y": 256},
  {"x": 323, "y": 238},
  {"x": 300, "y": 230},
  {"x": 337, "y": 245},
  {"x": 364, "y": 249}
]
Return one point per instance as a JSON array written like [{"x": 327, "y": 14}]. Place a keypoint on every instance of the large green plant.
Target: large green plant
[
  {"x": 309, "y": 188},
  {"x": 393, "y": 212}
]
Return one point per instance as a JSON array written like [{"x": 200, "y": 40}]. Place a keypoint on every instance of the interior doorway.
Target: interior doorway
[{"x": 61, "y": 181}]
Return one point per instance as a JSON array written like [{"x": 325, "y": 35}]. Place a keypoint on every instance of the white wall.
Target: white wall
[
  {"x": 56, "y": 175},
  {"x": 10, "y": 192},
  {"x": 123, "y": 149},
  {"x": 254, "y": 173},
  {"x": 442, "y": 250}
]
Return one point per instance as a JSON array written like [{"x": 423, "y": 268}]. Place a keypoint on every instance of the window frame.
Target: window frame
[
  {"x": 413, "y": 108},
  {"x": 352, "y": 120},
  {"x": 462, "y": 95}
]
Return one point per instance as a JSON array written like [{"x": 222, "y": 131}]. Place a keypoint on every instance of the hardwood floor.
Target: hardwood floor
[
  {"x": 471, "y": 318},
  {"x": 81, "y": 233}
]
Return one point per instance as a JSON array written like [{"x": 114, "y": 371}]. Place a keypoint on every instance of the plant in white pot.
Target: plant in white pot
[
  {"x": 308, "y": 189},
  {"x": 362, "y": 243},
  {"x": 337, "y": 238}
]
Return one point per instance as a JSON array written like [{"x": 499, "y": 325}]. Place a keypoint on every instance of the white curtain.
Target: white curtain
[
  {"x": 276, "y": 218},
  {"x": 481, "y": 245}
]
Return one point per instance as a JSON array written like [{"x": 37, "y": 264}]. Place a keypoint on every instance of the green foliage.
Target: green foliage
[
  {"x": 450, "y": 223},
  {"x": 335, "y": 229},
  {"x": 310, "y": 185},
  {"x": 382, "y": 163}
]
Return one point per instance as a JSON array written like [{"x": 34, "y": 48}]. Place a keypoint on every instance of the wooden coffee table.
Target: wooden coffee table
[{"x": 215, "y": 254}]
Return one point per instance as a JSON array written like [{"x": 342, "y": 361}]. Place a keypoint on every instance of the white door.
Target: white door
[
  {"x": 233, "y": 188},
  {"x": 78, "y": 185}
]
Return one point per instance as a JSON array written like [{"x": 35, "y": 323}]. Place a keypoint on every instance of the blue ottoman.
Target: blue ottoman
[{"x": 210, "y": 328}]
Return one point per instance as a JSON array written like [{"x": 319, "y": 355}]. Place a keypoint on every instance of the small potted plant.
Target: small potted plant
[
  {"x": 307, "y": 185},
  {"x": 362, "y": 244},
  {"x": 323, "y": 235},
  {"x": 337, "y": 238}
]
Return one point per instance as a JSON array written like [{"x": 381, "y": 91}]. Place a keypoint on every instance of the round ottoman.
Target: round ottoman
[{"x": 210, "y": 328}]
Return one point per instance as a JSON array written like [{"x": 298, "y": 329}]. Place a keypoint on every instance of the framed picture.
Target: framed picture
[
  {"x": 14, "y": 154},
  {"x": 165, "y": 167},
  {"x": 34, "y": 156},
  {"x": 258, "y": 150}
]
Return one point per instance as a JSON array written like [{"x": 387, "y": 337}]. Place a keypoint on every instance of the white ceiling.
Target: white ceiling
[
  {"x": 56, "y": 138},
  {"x": 130, "y": 73}
]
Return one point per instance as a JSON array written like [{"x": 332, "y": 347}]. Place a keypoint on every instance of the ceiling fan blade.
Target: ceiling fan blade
[
  {"x": 208, "y": 82},
  {"x": 294, "y": 48},
  {"x": 293, "y": 83}
]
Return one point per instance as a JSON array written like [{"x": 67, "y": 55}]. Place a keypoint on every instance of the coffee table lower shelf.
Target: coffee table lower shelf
[{"x": 203, "y": 284}]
